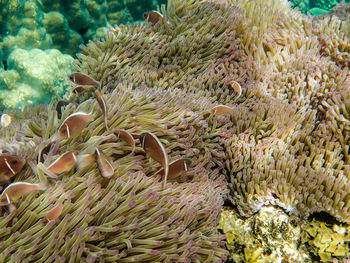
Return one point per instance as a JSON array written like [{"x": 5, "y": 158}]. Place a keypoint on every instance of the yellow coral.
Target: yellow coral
[{"x": 328, "y": 242}]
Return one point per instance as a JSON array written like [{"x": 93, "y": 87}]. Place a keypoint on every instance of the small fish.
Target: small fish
[
  {"x": 15, "y": 190},
  {"x": 10, "y": 166},
  {"x": 63, "y": 163},
  {"x": 127, "y": 137},
  {"x": 105, "y": 167},
  {"x": 73, "y": 124},
  {"x": 103, "y": 107},
  {"x": 152, "y": 145},
  {"x": 5, "y": 120},
  {"x": 55, "y": 212},
  {"x": 44, "y": 150},
  {"x": 236, "y": 87},
  {"x": 176, "y": 168},
  {"x": 59, "y": 106},
  {"x": 7, "y": 199},
  {"x": 85, "y": 159},
  {"x": 83, "y": 79},
  {"x": 82, "y": 88},
  {"x": 7, "y": 202},
  {"x": 135, "y": 135},
  {"x": 221, "y": 109},
  {"x": 153, "y": 17}
]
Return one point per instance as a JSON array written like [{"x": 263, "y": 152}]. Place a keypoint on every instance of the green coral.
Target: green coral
[
  {"x": 62, "y": 36},
  {"x": 324, "y": 4},
  {"x": 34, "y": 76},
  {"x": 61, "y": 25},
  {"x": 315, "y": 7}
]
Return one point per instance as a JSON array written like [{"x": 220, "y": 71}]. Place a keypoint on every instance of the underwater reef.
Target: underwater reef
[
  {"x": 205, "y": 102},
  {"x": 34, "y": 75},
  {"x": 62, "y": 25},
  {"x": 316, "y": 7}
]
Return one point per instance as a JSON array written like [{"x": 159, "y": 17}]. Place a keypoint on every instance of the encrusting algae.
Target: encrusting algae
[{"x": 165, "y": 120}]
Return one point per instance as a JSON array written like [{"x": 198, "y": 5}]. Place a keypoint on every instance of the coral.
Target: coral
[
  {"x": 324, "y": 4},
  {"x": 302, "y": 5},
  {"x": 117, "y": 13},
  {"x": 21, "y": 31},
  {"x": 327, "y": 242},
  {"x": 25, "y": 39},
  {"x": 83, "y": 17},
  {"x": 137, "y": 9},
  {"x": 271, "y": 236},
  {"x": 62, "y": 36},
  {"x": 317, "y": 11},
  {"x": 33, "y": 76},
  {"x": 61, "y": 25},
  {"x": 268, "y": 236},
  {"x": 316, "y": 7}
]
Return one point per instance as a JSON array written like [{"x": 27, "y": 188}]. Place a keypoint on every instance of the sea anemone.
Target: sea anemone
[{"x": 131, "y": 215}]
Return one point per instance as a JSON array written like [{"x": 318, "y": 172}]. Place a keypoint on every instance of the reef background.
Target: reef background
[
  {"x": 315, "y": 7},
  {"x": 38, "y": 40},
  {"x": 280, "y": 156}
]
